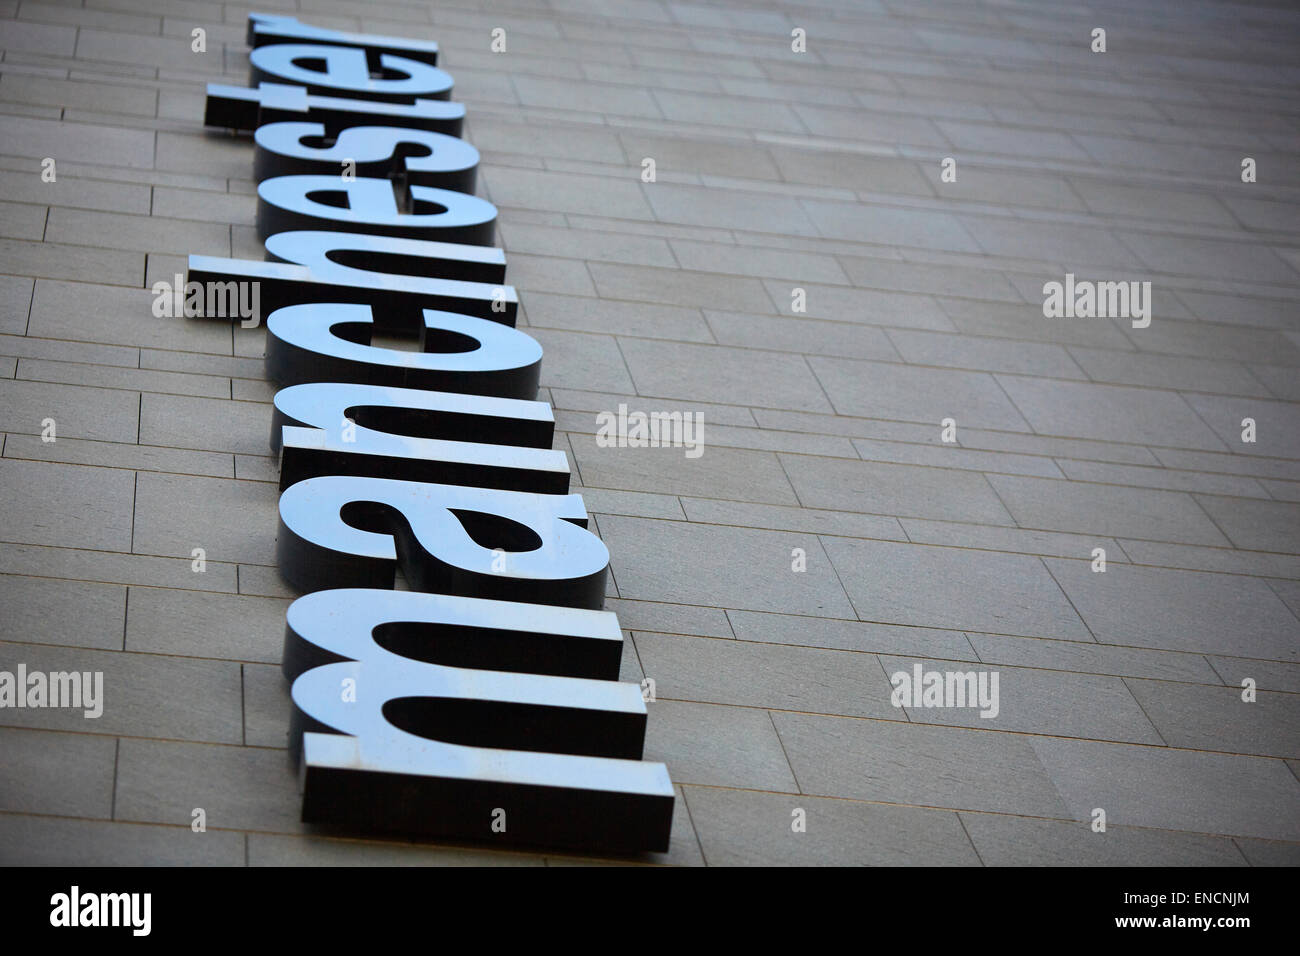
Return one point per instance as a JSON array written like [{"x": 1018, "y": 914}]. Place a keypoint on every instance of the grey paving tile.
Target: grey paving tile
[
  {"x": 809, "y": 336},
  {"x": 120, "y": 455},
  {"x": 968, "y": 352},
  {"x": 1030, "y": 700},
  {"x": 78, "y": 142},
  {"x": 78, "y": 412},
  {"x": 848, "y": 635},
  {"x": 101, "y": 97},
  {"x": 778, "y": 518},
  {"x": 902, "y": 490},
  {"x": 213, "y": 154},
  {"x": 231, "y": 520},
  {"x": 53, "y": 611},
  {"x": 51, "y": 841},
  {"x": 591, "y": 97},
  {"x": 1075, "y": 247},
  {"x": 1216, "y": 718},
  {"x": 199, "y": 624},
  {"x": 134, "y": 48},
  {"x": 24, "y": 347},
  {"x": 1128, "y": 368},
  {"x": 1021, "y": 540},
  {"x": 66, "y": 505},
  {"x": 1208, "y": 257},
  {"x": 922, "y": 277},
  {"x": 97, "y": 313},
  {"x": 35, "y": 112},
  {"x": 1228, "y": 462},
  {"x": 202, "y": 363},
  {"x": 1109, "y": 413},
  {"x": 602, "y": 246},
  {"x": 906, "y": 393},
  {"x": 743, "y": 828},
  {"x": 1237, "y": 309},
  {"x": 915, "y": 584},
  {"x": 596, "y": 401},
  {"x": 725, "y": 472},
  {"x": 1129, "y": 152},
  {"x": 698, "y": 156},
  {"x": 694, "y": 290},
  {"x": 889, "y": 226},
  {"x": 552, "y": 139},
  {"x": 1091, "y": 658},
  {"x": 143, "y": 695},
  {"x": 204, "y": 205},
  {"x": 566, "y": 192},
  {"x": 918, "y": 765},
  {"x": 740, "y": 749},
  {"x": 1004, "y": 840},
  {"x": 55, "y": 773},
  {"x": 108, "y": 376},
  {"x": 681, "y": 563},
  {"x": 813, "y": 680},
  {"x": 832, "y": 446},
  {"x": 1267, "y": 675},
  {"x": 1280, "y": 381},
  {"x": 865, "y": 306},
  {"x": 551, "y": 274},
  {"x": 720, "y": 374},
  {"x": 1269, "y": 852},
  {"x": 1277, "y": 424},
  {"x": 1025, "y": 321},
  {"x": 1116, "y": 199},
  {"x": 671, "y": 618},
  {"x": 15, "y": 303},
  {"x": 244, "y": 788},
  {"x": 39, "y": 37},
  {"x": 989, "y": 138},
  {"x": 1262, "y": 213},
  {"x": 83, "y": 565},
  {"x": 263, "y": 581},
  {"x": 139, "y": 233},
  {"x": 210, "y": 424},
  {"x": 1168, "y": 479},
  {"x": 1181, "y": 610},
  {"x": 683, "y": 107},
  {"x": 1105, "y": 509},
  {"x": 1019, "y": 187},
  {"x": 950, "y": 456},
  {"x": 1166, "y": 308},
  {"x": 577, "y": 360},
  {"x": 267, "y": 707},
  {"x": 764, "y": 263},
  {"x": 636, "y": 503},
  {"x": 1173, "y": 789},
  {"x": 867, "y": 126},
  {"x": 22, "y": 220},
  {"x": 1214, "y": 341}
]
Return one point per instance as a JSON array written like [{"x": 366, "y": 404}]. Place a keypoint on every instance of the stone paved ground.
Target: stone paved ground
[{"x": 775, "y": 170}]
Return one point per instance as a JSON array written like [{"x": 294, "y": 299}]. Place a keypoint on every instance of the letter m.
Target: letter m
[
  {"x": 1115, "y": 296},
  {"x": 222, "y": 299},
  {"x": 434, "y": 744}
]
